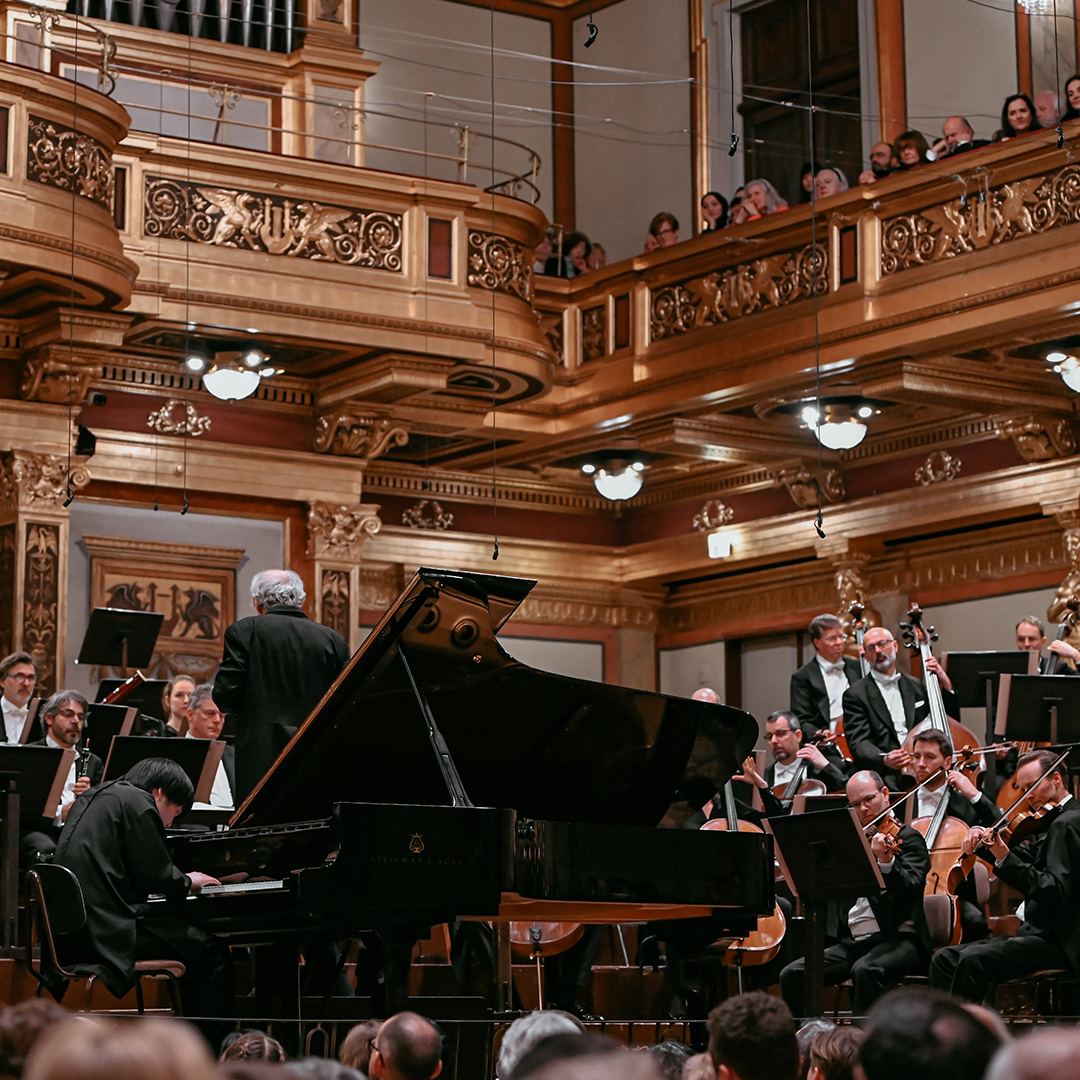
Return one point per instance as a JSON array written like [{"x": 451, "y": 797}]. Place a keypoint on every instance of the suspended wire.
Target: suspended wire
[
  {"x": 494, "y": 368},
  {"x": 734, "y": 147},
  {"x": 70, "y": 494}
]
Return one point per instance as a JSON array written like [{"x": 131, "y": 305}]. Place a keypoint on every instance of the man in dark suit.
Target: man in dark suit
[
  {"x": 63, "y": 717},
  {"x": 880, "y": 709},
  {"x": 114, "y": 843},
  {"x": 817, "y": 688},
  {"x": 880, "y": 938},
  {"x": 205, "y": 721},
  {"x": 958, "y": 137},
  {"x": 18, "y": 678},
  {"x": 785, "y": 739},
  {"x": 1047, "y": 874},
  {"x": 276, "y": 667},
  {"x": 1031, "y": 637}
]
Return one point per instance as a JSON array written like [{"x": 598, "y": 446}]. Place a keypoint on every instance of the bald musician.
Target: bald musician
[
  {"x": 1047, "y": 874},
  {"x": 881, "y": 708},
  {"x": 817, "y": 688},
  {"x": 880, "y": 938}
]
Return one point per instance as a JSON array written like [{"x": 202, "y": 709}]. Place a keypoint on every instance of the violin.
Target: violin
[{"x": 889, "y": 828}]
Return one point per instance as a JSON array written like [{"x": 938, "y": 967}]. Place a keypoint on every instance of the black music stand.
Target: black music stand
[
  {"x": 32, "y": 728},
  {"x": 199, "y": 758},
  {"x": 814, "y": 804},
  {"x": 117, "y": 637},
  {"x": 103, "y": 722},
  {"x": 146, "y": 697},
  {"x": 31, "y": 781},
  {"x": 1039, "y": 708},
  {"x": 823, "y": 856}
]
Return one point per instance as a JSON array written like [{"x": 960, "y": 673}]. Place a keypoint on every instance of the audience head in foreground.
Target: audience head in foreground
[
  {"x": 355, "y": 1049},
  {"x": 251, "y": 1046},
  {"x": 833, "y": 1055},
  {"x": 526, "y": 1032},
  {"x": 584, "y": 1057},
  {"x": 20, "y": 1028},
  {"x": 1046, "y": 1054},
  {"x": 752, "y": 1037},
  {"x": 85, "y": 1048},
  {"x": 923, "y": 1033},
  {"x": 407, "y": 1047}
]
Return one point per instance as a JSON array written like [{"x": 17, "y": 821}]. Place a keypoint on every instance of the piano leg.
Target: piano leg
[{"x": 504, "y": 984}]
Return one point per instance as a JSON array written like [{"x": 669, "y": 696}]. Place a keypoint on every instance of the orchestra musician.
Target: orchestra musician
[
  {"x": 817, "y": 688},
  {"x": 276, "y": 667},
  {"x": 785, "y": 739},
  {"x": 1031, "y": 637},
  {"x": 114, "y": 843},
  {"x": 881, "y": 708},
  {"x": 881, "y": 938},
  {"x": 63, "y": 716},
  {"x": 205, "y": 721},
  {"x": 18, "y": 678},
  {"x": 175, "y": 699},
  {"x": 1046, "y": 873}
]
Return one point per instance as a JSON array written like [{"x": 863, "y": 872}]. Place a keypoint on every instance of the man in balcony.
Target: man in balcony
[
  {"x": 958, "y": 137},
  {"x": 883, "y": 161}
]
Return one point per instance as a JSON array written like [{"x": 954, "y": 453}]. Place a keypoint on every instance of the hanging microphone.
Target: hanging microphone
[
  {"x": 593, "y": 33},
  {"x": 734, "y": 145},
  {"x": 818, "y": 524},
  {"x": 495, "y": 553},
  {"x": 1061, "y": 136},
  {"x": 185, "y": 509}
]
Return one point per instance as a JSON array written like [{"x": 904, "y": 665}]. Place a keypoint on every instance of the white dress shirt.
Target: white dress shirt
[
  {"x": 929, "y": 800},
  {"x": 14, "y": 719},
  {"x": 220, "y": 794},
  {"x": 783, "y": 773},
  {"x": 889, "y": 685},
  {"x": 836, "y": 682}
]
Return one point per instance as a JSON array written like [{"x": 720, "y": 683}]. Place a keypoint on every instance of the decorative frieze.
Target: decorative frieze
[
  {"x": 500, "y": 264},
  {"x": 37, "y": 482},
  {"x": 746, "y": 289},
  {"x": 272, "y": 224},
  {"x": 338, "y": 531},
  {"x": 41, "y": 599},
  {"x": 59, "y": 380},
  {"x": 970, "y": 223},
  {"x": 803, "y": 485},
  {"x": 937, "y": 468},
  {"x": 1040, "y": 438},
  {"x": 713, "y": 514},
  {"x": 620, "y": 609},
  {"x": 420, "y": 517},
  {"x": 352, "y": 434},
  {"x": 63, "y": 158},
  {"x": 163, "y": 422},
  {"x": 335, "y": 600},
  {"x": 594, "y": 332}
]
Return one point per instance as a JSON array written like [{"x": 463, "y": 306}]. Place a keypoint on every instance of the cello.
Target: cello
[
  {"x": 761, "y": 945},
  {"x": 799, "y": 784}
]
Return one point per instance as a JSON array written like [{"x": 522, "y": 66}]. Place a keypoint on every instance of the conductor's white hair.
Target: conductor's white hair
[
  {"x": 526, "y": 1031},
  {"x": 278, "y": 588}
]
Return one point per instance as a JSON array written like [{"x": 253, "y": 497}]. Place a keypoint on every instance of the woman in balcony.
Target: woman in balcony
[
  {"x": 830, "y": 181},
  {"x": 1017, "y": 118},
  {"x": 714, "y": 208},
  {"x": 912, "y": 150},
  {"x": 1072, "y": 96},
  {"x": 761, "y": 200}
]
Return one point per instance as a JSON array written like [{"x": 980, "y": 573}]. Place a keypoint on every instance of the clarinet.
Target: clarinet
[{"x": 82, "y": 763}]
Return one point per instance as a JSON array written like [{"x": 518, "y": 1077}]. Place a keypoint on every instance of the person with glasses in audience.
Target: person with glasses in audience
[
  {"x": 408, "y": 1046},
  {"x": 18, "y": 680},
  {"x": 665, "y": 227}
]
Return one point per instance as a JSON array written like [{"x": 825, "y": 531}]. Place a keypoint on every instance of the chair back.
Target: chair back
[
  {"x": 942, "y": 918},
  {"x": 59, "y": 899}
]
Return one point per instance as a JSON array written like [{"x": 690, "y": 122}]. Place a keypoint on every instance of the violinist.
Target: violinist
[
  {"x": 1048, "y": 874},
  {"x": 881, "y": 708},
  {"x": 817, "y": 688},
  {"x": 785, "y": 739},
  {"x": 880, "y": 938}
]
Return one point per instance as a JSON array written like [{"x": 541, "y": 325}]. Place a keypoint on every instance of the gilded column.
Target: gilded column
[{"x": 34, "y": 556}]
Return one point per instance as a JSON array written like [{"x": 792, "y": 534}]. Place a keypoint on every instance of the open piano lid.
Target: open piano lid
[{"x": 545, "y": 745}]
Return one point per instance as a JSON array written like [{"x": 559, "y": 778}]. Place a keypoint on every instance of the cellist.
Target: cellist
[{"x": 1048, "y": 874}]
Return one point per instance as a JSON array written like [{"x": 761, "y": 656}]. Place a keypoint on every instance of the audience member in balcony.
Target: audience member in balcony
[
  {"x": 598, "y": 259},
  {"x": 764, "y": 198},
  {"x": 1072, "y": 99},
  {"x": 806, "y": 182},
  {"x": 1017, "y": 118},
  {"x": 1047, "y": 109},
  {"x": 665, "y": 227},
  {"x": 544, "y": 251},
  {"x": 957, "y": 137},
  {"x": 714, "y": 208},
  {"x": 576, "y": 251},
  {"x": 912, "y": 150},
  {"x": 883, "y": 161},
  {"x": 829, "y": 181},
  {"x": 652, "y": 243}
]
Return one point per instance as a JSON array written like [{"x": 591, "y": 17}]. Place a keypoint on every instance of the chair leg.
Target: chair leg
[
  {"x": 139, "y": 994},
  {"x": 174, "y": 992}
]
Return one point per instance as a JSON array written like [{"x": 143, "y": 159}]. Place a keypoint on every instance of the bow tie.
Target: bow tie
[
  {"x": 833, "y": 669},
  {"x": 887, "y": 680}
]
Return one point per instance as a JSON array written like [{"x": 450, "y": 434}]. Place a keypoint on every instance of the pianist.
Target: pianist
[{"x": 114, "y": 843}]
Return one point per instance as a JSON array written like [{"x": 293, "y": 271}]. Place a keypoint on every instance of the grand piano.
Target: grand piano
[{"x": 440, "y": 778}]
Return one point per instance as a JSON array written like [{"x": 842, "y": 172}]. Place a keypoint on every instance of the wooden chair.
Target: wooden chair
[{"x": 57, "y": 907}]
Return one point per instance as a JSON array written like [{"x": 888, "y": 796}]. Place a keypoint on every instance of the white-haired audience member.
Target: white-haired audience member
[{"x": 528, "y": 1030}]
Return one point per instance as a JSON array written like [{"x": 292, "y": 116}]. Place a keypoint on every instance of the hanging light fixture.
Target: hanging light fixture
[
  {"x": 1068, "y": 367},
  {"x": 617, "y": 480},
  {"x": 1037, "y": 7},
  {"x": 838, "y": 426},
  {"x": 234, "y": 375}
]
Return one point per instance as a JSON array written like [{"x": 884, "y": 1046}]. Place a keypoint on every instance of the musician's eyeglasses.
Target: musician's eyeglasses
[
  {"x": 21, "y": 676},
  {"x": 874, "y": 646},
  {"x": 67, "y": 714}
]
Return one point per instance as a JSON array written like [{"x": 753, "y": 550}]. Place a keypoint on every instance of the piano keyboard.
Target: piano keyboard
[{"x": 239, "y": 887}]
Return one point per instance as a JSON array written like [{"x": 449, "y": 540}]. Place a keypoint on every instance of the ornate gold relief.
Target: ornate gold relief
[
  {"x": 37, "y": 482},
  {"x": 256, "y": 221},
  {"x": 58, "y": 380},
  {"x": 742, "y": 290},
  {"x": 931, "y": 473},
  {"x": 551, "y": 326},
  {"x": 499, "y": 263},
  {"x": 802, "y": 485},
  {"x": 338, "y": 531},
  {"x": 334, "y": 590},
  {"x": 436, "y": 518},
  {"x": 1069, "y": 520},
  {"x": 713, "y": 514},
  {"x": 41, "y": 599},
  {"x": 192, "y": 424},
  {"x": 379, "y": 586},
  {"x": 594, "y": 332},
  {"x": 852, "y": 576},
  {"x": 61, "y": 157},
  {"x": 352, "y": 434},
  {"x": 1040, "y": 438},
  {"x": 581, "y": 606},
  {"x": 1005, "y": 213}
]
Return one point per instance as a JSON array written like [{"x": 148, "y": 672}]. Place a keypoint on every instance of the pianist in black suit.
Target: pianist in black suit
[
  {"x": 276, "y": 667},
  {"x": 817, "y": 688},
  {"x": 880, "y": 709},
  {"x": 114, "y": 843},
  {"x": 63, "y": 717}
]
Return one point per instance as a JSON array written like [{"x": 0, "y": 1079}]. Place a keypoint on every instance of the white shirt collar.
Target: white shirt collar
[{"x": 885, "y": 680}]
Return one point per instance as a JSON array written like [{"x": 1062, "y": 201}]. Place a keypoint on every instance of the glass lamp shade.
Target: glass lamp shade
[
  {"x": 841, "y": 436},
  {"x": 618, "y": 484},
  {"x": 230, "y": 383}
]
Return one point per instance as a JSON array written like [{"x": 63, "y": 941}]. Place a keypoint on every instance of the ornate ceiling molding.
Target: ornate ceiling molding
[
  {"x": 337, "y": 531},
  {"x": 1040, "y": 438},
  {"x": 354, "y": 433}
]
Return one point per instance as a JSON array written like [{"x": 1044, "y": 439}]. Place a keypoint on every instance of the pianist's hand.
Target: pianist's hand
[{"x": 199, "y": 880}]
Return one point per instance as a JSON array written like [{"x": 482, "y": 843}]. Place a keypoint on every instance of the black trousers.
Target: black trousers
[
  {"x": 873, "y": 964},
  {"x": 968, "y": 970},
  {"x": 207, "y": 985}
]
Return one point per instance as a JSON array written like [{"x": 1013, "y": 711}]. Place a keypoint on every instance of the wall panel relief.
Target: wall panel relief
[
  {"x": 41, "y": 600},
  {"x": 335, "y": 600},
  {"x": 500, "y": 264},
  {"x": 63, "y": 158},
  {"x": 7, "y": 589}
]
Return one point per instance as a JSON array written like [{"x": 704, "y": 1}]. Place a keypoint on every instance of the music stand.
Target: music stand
[
  {"x": 117, "y": 637},
  {"x": 1039, "y": 708},
  {"x": 103, "y": 722},
  {"x": 199, "y": 758},
  {"x": 823, "y": 856},
  {"x": 146, "y": 697},
  {"x": 975, "y": 677},
  {"x": 33, "y": 723},
  {"x": 815, "y": 804},
  {"x": 31, "y": 781}
]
